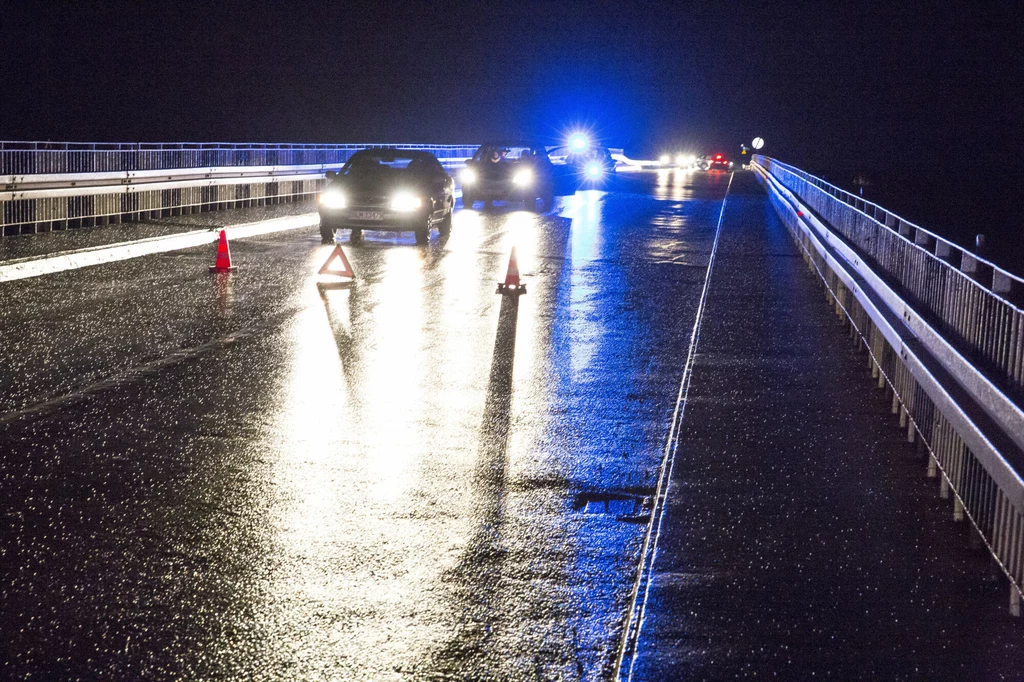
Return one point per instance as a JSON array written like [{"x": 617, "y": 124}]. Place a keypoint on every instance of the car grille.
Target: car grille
[{"x": 369, "y": 201}]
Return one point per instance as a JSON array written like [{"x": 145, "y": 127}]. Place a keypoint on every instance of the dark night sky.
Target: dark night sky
[{"x": 926, "y": 101}]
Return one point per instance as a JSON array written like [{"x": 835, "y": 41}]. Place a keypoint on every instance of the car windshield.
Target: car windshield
[
  {"x": 498, "y": 154},
  {"x": 592, "y": 154},
  {"x": 365, "y": 163},
  {"x": 563, "y": 155}
]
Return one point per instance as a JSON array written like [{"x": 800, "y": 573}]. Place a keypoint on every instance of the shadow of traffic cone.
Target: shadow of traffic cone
[
  {"x": 223, "y": 262},
  {"x": 339, "y": 254},
  {"x": 512, "y": 286}
]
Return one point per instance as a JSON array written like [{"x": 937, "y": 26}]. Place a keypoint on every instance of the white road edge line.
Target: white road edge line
[
  {"x": 630, "y": 641},
  {"x": 82, "y": 258}
]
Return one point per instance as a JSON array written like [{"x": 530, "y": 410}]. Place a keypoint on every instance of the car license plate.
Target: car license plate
[{"x": 367, "y": 215}]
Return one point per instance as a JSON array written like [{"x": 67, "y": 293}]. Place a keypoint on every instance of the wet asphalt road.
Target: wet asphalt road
[{"x": 250, "y": 477}]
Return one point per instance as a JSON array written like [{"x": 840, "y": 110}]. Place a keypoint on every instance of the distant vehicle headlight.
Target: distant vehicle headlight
[
  {"x": 468, "y": 176},
  {"x": 332, "y": 198},
  {"x": 691, "y": 160},
  {"x": 523, "y": 178},
  {"x": 681, "y": 160},
  {"x": 404, "y": 201},
  {"x": 593, "y": 170},
  {"x": 664, "y": 160}
]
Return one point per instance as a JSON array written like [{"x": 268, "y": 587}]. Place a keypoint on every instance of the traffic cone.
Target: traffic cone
[
  {"x": 512, "y": 286},
  {"x": 338, "y": 253},
  {"x": 223, "y": 262}
]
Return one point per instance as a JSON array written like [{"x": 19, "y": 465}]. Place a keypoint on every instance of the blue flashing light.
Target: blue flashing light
[
  {"x": 593, "y": 170},
  {"x": 578, "y": 142}
]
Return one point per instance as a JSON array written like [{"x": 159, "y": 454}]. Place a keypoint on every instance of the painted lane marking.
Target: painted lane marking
[
  {"x": 649, "y": 551},
  {"x": 81, "y": 258}
]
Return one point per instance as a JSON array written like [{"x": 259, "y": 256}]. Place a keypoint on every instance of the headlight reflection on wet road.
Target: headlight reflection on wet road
[
  {"x": 674, "y": 183},
  {"x": 522, "y": 231},
  {"x": 585, "y": 245},
  {"x": 345, "y": 461}
]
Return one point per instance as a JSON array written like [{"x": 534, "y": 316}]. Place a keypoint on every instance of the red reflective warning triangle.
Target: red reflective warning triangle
[{"x": 325, "y": 269}]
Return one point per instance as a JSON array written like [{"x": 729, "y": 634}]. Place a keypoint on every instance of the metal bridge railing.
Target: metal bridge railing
[
  {"x": 30, "y": 158},
  {"x": 976, "y": 303},
  {"x": 944, "y": 333},
  {"x": 60, "y": 185}
]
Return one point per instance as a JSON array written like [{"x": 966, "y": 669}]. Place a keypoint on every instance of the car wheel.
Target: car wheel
[
  {"x": 445, "y": 226},
  {"x": 547, "y": 200},
  {"x": 423, "y": 234},
  {"x": 326, "y": 233},
  {"x": 356, "y": 236}
]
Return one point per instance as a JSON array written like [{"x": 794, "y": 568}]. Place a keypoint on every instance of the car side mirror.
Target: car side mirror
[{"x": 331, "y": 175}]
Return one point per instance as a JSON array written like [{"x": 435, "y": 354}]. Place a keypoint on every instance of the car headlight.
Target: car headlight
[
  {"x": 664, "y": 160},
  {"x": 468, "y": 176},
  {"x": 332, "y": 198},
  {"x": 593, "y": 170},
  {"x": 523, "y": 178},
  {"x": 404, "y": 201}
]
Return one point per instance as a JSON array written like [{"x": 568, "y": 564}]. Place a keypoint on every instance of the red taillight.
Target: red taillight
[{"x": 718, "y": 156}]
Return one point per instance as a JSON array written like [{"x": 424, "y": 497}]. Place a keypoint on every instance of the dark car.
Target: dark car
[
  {"x": 591, "y": 166},
  {"x": 394, "y": 190},
  {"x": 518, "y": 171}
]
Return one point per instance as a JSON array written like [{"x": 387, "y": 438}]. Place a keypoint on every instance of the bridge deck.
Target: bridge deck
[
  {"x": 253, "y": 477},
  {"x": 801, "y": 536}
]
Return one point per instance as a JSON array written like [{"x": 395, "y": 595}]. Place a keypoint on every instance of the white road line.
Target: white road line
[
  {"x": 649, "y": 551},
  {"x": 82, "y": 258}
]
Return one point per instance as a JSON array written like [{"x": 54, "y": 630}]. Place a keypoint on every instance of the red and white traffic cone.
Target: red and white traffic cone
[
  {"x": 223, "y": 262},
  {"x": 512, "y": 286}
]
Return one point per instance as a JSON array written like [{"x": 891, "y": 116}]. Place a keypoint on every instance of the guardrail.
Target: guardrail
[
  {"x": 944, "y": 332},
  {"x": 53, "y": 186},
  {"x": 975, "y": 303}
]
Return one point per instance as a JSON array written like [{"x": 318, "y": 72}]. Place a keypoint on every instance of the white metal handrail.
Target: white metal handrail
[
  {"x": 914, "y": 233},
  {"x": 976, "y": 305},
  {"x": 33, "y": 158}
]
